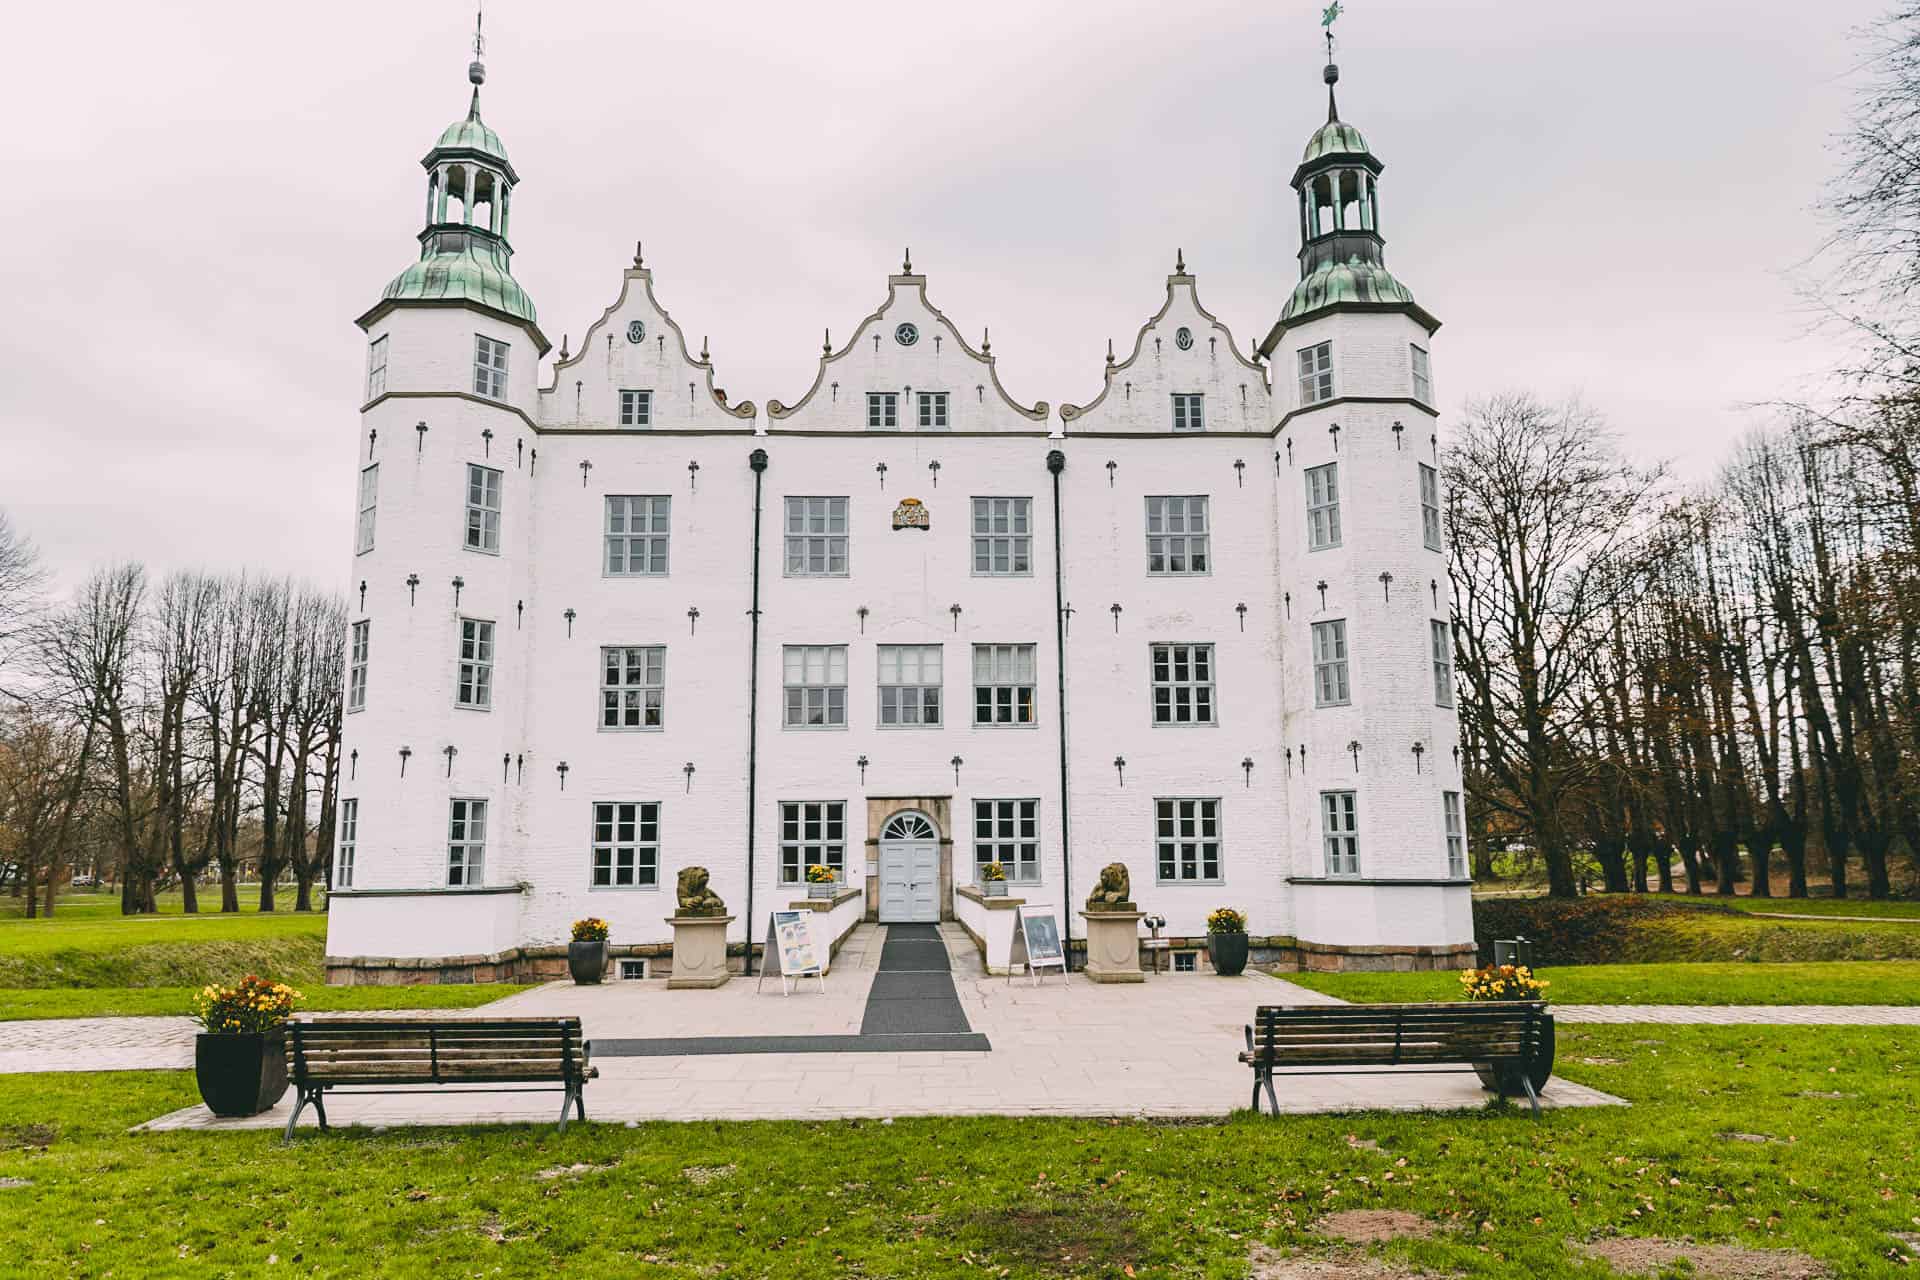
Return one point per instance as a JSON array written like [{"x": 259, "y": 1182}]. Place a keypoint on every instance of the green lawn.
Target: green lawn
[
  {"x": 101, "y": 1002},
  {"x": 1805, "y": 906},
  {"x": 1773, "y": 1137},
  {"x": 1834, "y": 982}
]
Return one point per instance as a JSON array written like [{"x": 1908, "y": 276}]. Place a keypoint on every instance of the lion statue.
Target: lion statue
[
  {"x": 695, "y": 898},
  {"x": 1115, "y": 890}
]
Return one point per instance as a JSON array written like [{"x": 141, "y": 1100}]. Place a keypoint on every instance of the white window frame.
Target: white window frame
[
  {"x": 1182, "y": 678},
  {"x": 483, "y": 509},
  {"x": 1441, "y": 638},
  {"x": 1185, "y": 551},
  {"x": 1455, "y": 822},
  {"x": 883, "y": 410},
  {"x": 369, "y": 502},
  {"x": 633, "y": 688},
  {"x": 346, "y": 842},
  {"x": 1003, "y": 536},
  {"x": 1340, "y": 832},
  {"x": 1189, "y": 413},
  {"x": 1316, "y": 373},
  {"x": 813, "y": 679},
  {"x": 624, "y": 840},
  {"x": 466, "y": 842},
  {"x": 1323, "y": 506},
  {"x": 358, "y": 642},
  {"x": 932, "y": 411},
  {"x": 377, "y": 368},
  {"x": 636, "y": 408},
  {"x": 818, "y": 532},
  {"x": 490, "y": 367},
  {"x": 643, "y": 535},
  {"x": 1005, "y": 676},
  {"x": 1430, "y": 507},
  {"x": 1422, "y": 367},
  {"x": 1008, "y": 832},
  {"x": 812, "y": 831},
  {"x": 1332, "y": 679},
  {"x": 1187, "y": 839},
  {"x": 910, "y": 686},
  {"x": 473, "y": 687}
]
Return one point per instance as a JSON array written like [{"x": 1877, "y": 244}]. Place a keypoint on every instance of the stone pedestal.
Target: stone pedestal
[
  {"x": 699, "y": 951},
  {"x": 1113, "y": 946}
]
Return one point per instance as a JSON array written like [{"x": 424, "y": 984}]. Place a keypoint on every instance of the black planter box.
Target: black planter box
[
  {"x": 1503, "y": 1078},
  {"x": 1228, "y": 951},
  {"x": 241, "y": 1075},
  {"x": 587, "y": 961}
]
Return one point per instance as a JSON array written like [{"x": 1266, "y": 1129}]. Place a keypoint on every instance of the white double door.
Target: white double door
[{"x": 909, "y": 881}]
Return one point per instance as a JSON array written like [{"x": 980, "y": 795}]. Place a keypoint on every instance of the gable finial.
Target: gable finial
[
  {"x": 704, "y": 359},
  {"x": 639, "y": 259},
  {"x": 563, "y": 348},
  {"x": 1109, "y": 351},
  {"x": 1179, "y": 262},
  {"x": 906, "y": 264},
  {"x": 826, "y": 342},
  {"x": 986, "y": 340}
]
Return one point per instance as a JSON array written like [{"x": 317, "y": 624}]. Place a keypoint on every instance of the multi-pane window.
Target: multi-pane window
[
  {"x": 369, "y": 499},
  {"x": 1456, "y": 833},
  {"x": 345, "y": 841},
  {"x": 933, "y": 410},
  {"x": 1187, "y": 840},
  {"x": 1430, "y": 506},
  {"x": 883, "y": 411},
  {"x": 812, "y": 832},
  {"x": 357, "y": 667},
  {"x": 476, "y": 663},
  {"x": 1007, "y": 832},
  {"x": 1316, "y": 373},
  {"x": 633, "y": 686},
  {"x": 1323, "y": 506},
  {"x": 489, "y": 367},
  {"x": 1003, "y": 684},
  {"x": 466, "y": 842},
  {"x": 909, "y": 684},
  {"x": 816, "y": 537},
  {"x": 1442, "y": 663},
  {"x": 626, "y": 846},
  {"x": 1330, "y": 663},
  {"x": 1340, "y": 833},
  {"x": 636, "y": 535},
  {"x": 1422, "y": 375},
  {"x": 1183, "y": 684},
  {"x": 1177, "y": 535},
  {"x": 1002, "y": 537},
  {"x": 1187, "y": 411},
  {"x": 483, "y": 508},
  {"x": 816, "y": 686},
  {"x": 636, "y": 408},
  {"x": 377, "y": 366}
]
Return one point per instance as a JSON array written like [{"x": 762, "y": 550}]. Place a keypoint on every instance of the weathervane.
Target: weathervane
[
  {"x": 1332, "y": 74},
  {"x": 477, "y": 69}
]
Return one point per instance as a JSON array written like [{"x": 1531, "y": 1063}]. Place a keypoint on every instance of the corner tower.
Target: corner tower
[{"x": 1371, "y": 736}]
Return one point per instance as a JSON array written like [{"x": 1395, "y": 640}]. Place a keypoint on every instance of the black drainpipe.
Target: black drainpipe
[
  {"x": 758, "y": 461},
  {"x": 1056, "y": 463}
]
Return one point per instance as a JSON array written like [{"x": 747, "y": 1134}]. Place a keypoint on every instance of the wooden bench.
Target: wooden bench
[
  {"x": 386, "y": 1055},
  {"x": 1386, "y": 1038}
]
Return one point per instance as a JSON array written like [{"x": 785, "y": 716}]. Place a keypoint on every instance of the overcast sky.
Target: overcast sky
[{"x": 1602, "y": 199}]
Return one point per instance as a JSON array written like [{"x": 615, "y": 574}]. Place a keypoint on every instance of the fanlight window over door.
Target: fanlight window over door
[{"x": 908, "y": 826}]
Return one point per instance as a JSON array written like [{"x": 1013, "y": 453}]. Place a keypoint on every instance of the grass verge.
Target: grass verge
[
  {"x": 1774, "y": 1137},
  {"x": 103, "y": 1002},
  {"x": 1833, "y": 982}
]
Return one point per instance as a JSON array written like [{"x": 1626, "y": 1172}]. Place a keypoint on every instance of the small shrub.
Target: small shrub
[
  {"x": 253, "y": 1007},
  {"x": 819, "y": 873},
  {"x": 592, "y": 929},
  {"x": 1226, "y": 920},
  {"x": 1502, "y": 982}
]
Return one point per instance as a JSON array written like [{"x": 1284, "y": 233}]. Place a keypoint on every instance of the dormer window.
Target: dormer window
[
  {"x": 636, "y": 408},
  {"x": 933, "y": 411},
  {"x": 1186, "y": 411},
  {"x": 1316, "y": 374},
  {"x": 489, "y": 367},
  {"x": 883, "y": 411}
]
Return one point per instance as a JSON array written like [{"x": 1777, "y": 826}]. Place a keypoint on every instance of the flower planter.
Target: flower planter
[
  {"x": 240, "y": 1075},
  {"x": 1228, "y": 951},
  {"x": 826, "y": 890},
  {"x": 587, "y": 961},
  {"x": 1504, "y": 1078},
  {"x": 994, "y": 888}
]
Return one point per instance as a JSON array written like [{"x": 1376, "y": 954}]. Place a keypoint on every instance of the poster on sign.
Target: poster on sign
[
  {"x": 791, "y": 951},
  {"x": 1036, "y": 943}
]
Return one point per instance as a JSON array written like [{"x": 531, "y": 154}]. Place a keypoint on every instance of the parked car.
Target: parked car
[{"x": 84, "y": 881}]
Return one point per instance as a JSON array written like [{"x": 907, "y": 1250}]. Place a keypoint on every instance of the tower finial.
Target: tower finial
[
  {"x": 477, "y": 69},
  {"x": 1332, "y": 73}
]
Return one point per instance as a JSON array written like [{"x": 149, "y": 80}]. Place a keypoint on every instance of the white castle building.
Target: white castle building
[{"x": 608, "y": 623}]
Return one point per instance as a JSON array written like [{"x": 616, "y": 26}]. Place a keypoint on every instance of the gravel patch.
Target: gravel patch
[{"x": 1641, "y": 1256}]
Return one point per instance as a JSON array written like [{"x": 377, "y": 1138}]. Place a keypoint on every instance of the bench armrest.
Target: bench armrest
[{"x": 1249, "y": 1030}]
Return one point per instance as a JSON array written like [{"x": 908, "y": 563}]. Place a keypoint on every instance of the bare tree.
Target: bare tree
[{"x": 22, "y": 579}]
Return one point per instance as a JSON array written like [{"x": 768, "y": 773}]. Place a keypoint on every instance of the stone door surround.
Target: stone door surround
[{"x": 939, "y": 811}]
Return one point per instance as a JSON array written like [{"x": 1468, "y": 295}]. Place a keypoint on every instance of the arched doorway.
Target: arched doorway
[{"x": 909, "y": 870}]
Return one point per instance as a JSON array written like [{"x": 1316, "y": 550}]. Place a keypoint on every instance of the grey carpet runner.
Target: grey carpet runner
[{"x": 912, "y": 1008}]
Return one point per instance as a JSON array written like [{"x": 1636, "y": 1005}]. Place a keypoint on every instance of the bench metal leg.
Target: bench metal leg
[
  {"x": 1532, "y": 1097},
  {"x": 1273, "y": 1103},
  {"x": 299, "y": 1102},
  {"x": 320, "y": 1106},
  {"x": 580, "y": 1101},
  {"x": 1256, "y": 1093}
]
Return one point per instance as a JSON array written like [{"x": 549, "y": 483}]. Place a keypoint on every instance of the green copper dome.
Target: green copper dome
[
  {"x": 1334, "y": 138},
  {"x": 472, "y": 134},
  {"x": 1353, "y": 281},
  {"x": 473, "y": 275}
]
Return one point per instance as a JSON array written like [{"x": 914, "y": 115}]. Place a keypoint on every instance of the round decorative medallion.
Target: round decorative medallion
[
  {"x": 1183, "y": 338},
  {"x": 906, "y": 335},
  {"x": 636, "y": 331}
]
